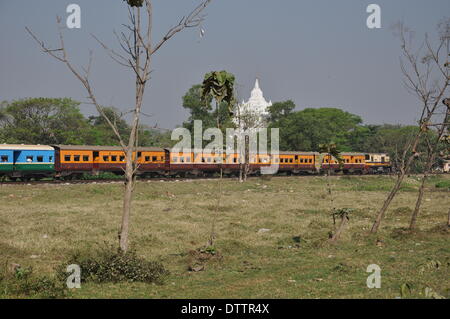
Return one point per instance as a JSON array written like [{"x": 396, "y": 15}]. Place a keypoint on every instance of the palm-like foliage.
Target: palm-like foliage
[
  {"x": 219, "y": 85},
  {"x": 135, "y": 3}
]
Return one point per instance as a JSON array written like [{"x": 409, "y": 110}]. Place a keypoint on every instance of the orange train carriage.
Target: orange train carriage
[{"x": 75, "y": 160}]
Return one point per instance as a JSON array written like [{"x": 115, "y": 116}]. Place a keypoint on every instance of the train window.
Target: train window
[
  {"x": 67, "y": 158},
  {"x": 122, "y": 158},
  {"x": 114, "y": 158},
  {"x": 175, "y": 159},
  {"x": 290, "y": 160},
  {"x": 4, "y": 158},
  {"x": 76, "y": 158},
  {"x": 154, "y": 158},
  {"x": 40, "y": 159},
  {"x": 182, "y": 159},
  {"x": 188, "y": 159},
  {"x": 234, "y": 159},
  {"x": 310, "y": 160},
  {"x": 50, "y": 159},
  {"x": 106, "y": 158},
  {"x": 209, "y": 159},
  {"x": 139, "y": 154},
  {"x": 85, "y": 158},
  {"x": 29, "y": 159},
  {"x": 147, "y": 158}
]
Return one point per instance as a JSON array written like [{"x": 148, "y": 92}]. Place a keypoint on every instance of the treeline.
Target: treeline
[{"x": 60, "y": 121}]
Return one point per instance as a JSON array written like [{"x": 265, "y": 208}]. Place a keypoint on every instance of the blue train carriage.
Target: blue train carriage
[
  {"x": 6, "y": 160},
  {"x": 27, "y": 161}
]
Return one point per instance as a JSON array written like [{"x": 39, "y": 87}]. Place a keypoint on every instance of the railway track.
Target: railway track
[{"x": 177, "y": 179}]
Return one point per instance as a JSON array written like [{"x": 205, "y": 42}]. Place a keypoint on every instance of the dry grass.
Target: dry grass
[{"x": 41, "y": 224}]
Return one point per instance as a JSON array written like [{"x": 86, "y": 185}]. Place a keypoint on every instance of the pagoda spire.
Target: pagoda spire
[{"x": 257, "y": 83}]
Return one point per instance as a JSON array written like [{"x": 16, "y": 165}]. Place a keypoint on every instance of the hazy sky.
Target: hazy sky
[{"x": 318, "y": 53}]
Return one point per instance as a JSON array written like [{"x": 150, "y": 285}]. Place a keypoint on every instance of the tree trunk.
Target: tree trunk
[
  {"x": 430, "y": 159},
  {"x": 387, "y": 202},
  {"x": 241, "y": 173},
  {"x": 337, "y": 234},
  {"x": 330, "y": 192},
  {"x": 448, "y": 218},
  {"x": 247, "y": 157},
  {"x": 403, "y": 170},
  {"x": 127, "y": 199}
]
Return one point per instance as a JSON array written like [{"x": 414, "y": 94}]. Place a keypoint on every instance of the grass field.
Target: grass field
[{"x": 41, "y": 225}]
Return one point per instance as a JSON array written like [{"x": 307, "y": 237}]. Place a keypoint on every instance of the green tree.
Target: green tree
[
  {"x": 100, "y": 131},
  {"x": 279, "y": 110},
  {"x": 305, "y": 130},
  {"x": 43, "y": 121},
  {"x": 200, "y": 108}
]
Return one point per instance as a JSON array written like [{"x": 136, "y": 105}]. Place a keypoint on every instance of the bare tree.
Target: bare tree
[
  {"x": 248, "y": 123},
  {"x": 428, "y": 79},
  {"x": 138, "y": 49},
  {"x": 432, "y": 149}
]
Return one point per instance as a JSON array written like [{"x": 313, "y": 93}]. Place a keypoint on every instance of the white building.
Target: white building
[{"x": 254, "y": 112}]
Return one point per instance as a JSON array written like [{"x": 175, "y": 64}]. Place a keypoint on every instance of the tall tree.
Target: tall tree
[
  {"x": 220, "y": 86},
  {"x": 43, "y": 121},
  {"x": 202, "y": 109},
  {"x": 426, "y": 77},
  {"x": 139, "y": 49}
]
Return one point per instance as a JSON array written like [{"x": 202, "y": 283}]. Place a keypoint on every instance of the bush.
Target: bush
[
  {"x": 443, "y": 184},
  {"x": 22, "y": 282},
  {"x": 112, "y": 265}
]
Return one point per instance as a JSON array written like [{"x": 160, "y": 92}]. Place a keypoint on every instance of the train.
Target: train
[{"x": 26, "y": 162}]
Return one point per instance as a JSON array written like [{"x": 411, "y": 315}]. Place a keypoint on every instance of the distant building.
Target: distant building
[{"x": 253, "y": 113}]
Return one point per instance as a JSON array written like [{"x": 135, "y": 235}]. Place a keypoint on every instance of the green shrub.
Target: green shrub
[
  {"x": 111, "y": 265},
  {"x": 443, "y": 184},
  {"x": 22, "y": 282}
]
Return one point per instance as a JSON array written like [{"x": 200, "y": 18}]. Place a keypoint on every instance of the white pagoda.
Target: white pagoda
[{"x": 254, "y": 112}]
